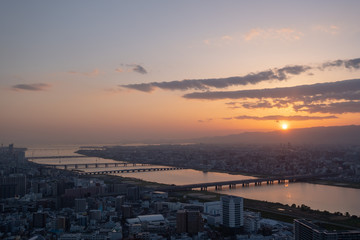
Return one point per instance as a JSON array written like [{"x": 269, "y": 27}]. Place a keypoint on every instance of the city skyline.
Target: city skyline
[{"x": 91, "y": 72}]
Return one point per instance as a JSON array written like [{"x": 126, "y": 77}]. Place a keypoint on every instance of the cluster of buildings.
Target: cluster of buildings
[
  {"x": 49, "y": 203},
  {"x": 270, "y": 160}
]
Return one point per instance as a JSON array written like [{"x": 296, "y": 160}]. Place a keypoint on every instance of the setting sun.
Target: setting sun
[{"x": 284, "y": 126}]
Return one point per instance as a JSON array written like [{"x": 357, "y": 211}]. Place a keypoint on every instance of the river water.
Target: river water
[{"x": 316, "y": 196}]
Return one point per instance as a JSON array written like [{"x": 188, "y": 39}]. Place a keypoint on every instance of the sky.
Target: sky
[{"x": 133, "y": 71}]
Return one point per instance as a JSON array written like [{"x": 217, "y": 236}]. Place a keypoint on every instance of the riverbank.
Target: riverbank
[
  {"x": 276, "y": 211},
  {"x": 336, "y": 184}
]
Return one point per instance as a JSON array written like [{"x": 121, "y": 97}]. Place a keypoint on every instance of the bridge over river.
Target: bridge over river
[
  {"x": 244, "y": 183},
  {"x": 56, "y": 157},
  {"x": 153, "y": 169},
  {"x": 70, "y": 166}
]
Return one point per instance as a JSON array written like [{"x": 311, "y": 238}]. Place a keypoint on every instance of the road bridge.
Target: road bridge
[
  {"x": 93, "y": 165},
  {"x": 242, "y": 182},
  {"x": 56, "y": 157},
  {"x": 131, "y": 170}
]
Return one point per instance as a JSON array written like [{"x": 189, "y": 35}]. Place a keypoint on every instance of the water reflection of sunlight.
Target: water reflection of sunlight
[{"x": 288, "y": 195}]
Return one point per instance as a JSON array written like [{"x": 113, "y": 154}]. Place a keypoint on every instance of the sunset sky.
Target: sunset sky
[{"x": 125, "y": 71}]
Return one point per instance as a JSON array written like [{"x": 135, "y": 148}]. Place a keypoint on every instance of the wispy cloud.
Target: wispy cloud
[
  {"x": 139, "y": 69},
  {"x": 285, "y": 34},
  {"x": 31, "y": 87},
  {"x": 329, "y": 29},
  {"x": 276, "y": 74},
  {"x": 349, "y": 64},
  {"x": 205, "y": 121},
  {"x": 220, "y": 41},
  {"x": 254, "y": 105},
  {"x": 333, "y": 108},
  {"x": 120, "y": 70},
  {"x": 131, "y": 68},
  {"x": 93, "y": 73},
  {"x": 282, "y": 118}
]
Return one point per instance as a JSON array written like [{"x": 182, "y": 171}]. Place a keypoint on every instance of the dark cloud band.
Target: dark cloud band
[
  {"x": 203, "y": 84},
  {"x": 277, "y": 74},
  {"x": 334, "y": 97},
  {"x": 31, "y": 87},
  {"x": 321, "y": 91}
]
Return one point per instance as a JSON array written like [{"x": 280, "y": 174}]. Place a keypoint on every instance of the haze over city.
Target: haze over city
[{"x": 130, "y": 71}]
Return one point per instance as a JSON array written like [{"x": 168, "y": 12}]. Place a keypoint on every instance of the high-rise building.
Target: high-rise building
[
  {"x": 126, "y": 211},
  {"x": 62, "y": 223},
  {"x": 181, "y": 221},
  {"x": 194, "y": 222},
  {"x": 95, "y": 215},
  {"x": 251, "y": 222},
  {"x": 133, "y": 193},
  {"x": 232, "y": 211},
  {"x": 13, "y": 185},
  {"x": 306, "y": 230},
  {"x": 39, "y": 220},
  {"x": 119, "y": 201},
  {"x": 80, "y": 205},
  {"x": 189, "y": 221}
]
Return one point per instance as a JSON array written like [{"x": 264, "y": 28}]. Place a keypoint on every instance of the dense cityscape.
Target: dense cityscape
[
  {"x": 267, "y": 160},
  {"x": 39, "y": 202}
]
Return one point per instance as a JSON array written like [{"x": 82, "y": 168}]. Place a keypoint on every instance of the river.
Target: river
[{"x": 316, "y": 196}]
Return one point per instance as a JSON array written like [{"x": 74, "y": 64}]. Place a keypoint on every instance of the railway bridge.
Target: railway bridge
[{"x": 242, "y": 182}]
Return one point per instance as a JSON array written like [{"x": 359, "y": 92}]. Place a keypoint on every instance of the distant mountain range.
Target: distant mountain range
[{"x": 315, "y": 135}]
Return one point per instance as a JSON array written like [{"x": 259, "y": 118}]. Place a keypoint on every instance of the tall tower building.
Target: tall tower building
[
  {"x": 232, "y": 211},
  {"x": 181, "y": 221},
  {"x": 189, "y": 221},
  {"x": 119, "y": 201},
  {"x": 80, "y": 205},
  {"x": 133, "y": 193}
]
